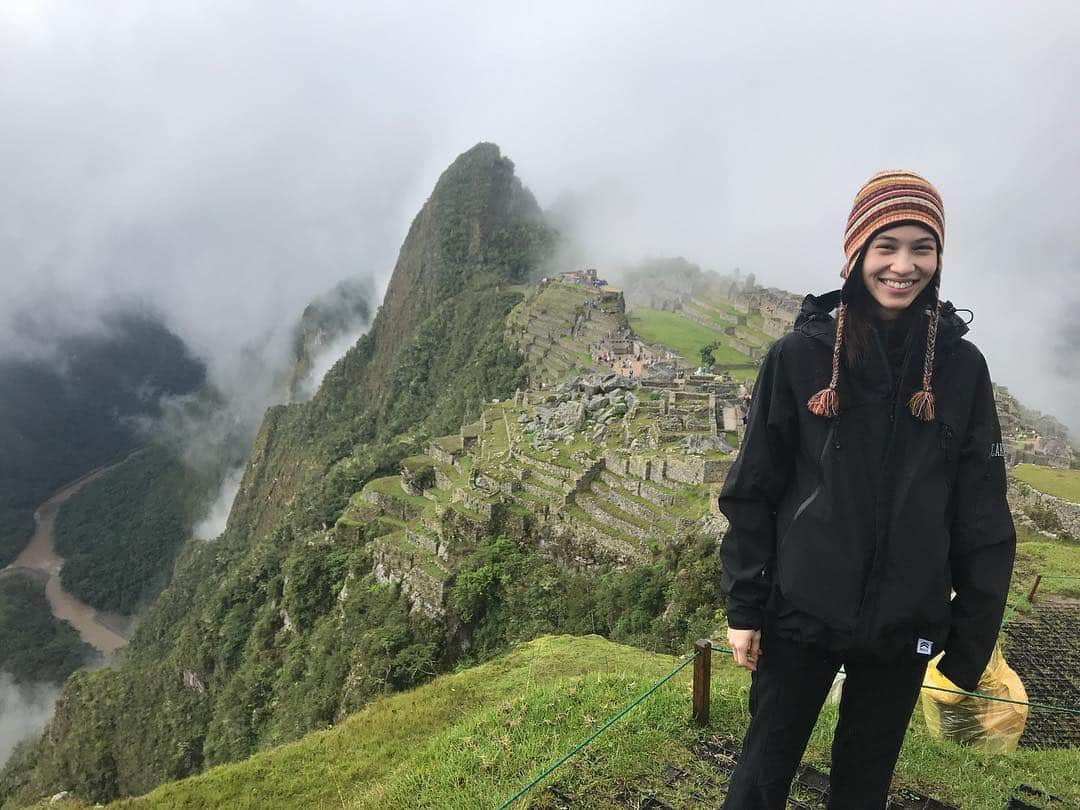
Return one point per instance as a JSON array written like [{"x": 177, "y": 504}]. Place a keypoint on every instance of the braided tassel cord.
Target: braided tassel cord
[
  {"x": 921, "y": 403},
  {"x": 826, "y": 402}
]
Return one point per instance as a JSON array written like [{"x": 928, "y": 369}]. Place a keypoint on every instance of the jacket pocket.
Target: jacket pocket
[
  {"x": 950, "y": 450},
  {"x": 819, "y": 485}
]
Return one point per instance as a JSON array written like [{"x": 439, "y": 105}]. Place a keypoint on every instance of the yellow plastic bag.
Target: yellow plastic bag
[{"x": 985, "y": 724}]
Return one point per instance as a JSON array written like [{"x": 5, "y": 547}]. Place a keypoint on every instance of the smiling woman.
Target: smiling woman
[
  {"x": 898, "y": 266},
  {"x": 855, "y": 511}
]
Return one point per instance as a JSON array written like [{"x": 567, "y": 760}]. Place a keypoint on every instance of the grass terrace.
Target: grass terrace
[
  {"x": 472, "y": 739},
  {"x": 686, "y": 337},
  {"x": 391, "y": 487},
  {"x": 1064, "y": 484}
]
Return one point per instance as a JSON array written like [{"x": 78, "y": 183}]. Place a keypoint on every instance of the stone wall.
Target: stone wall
[
  {"x": 395, "y": 507},
  {"x": 440, "y": 455},
  {"x": 774, "y": 327},
  {"x": 742, "y": 348},
  {"x": 393, "y": 564},
  {"x": 1023, "y": 497},
  {"x": 695, "y": 470},
  {"x": 750, "y": 338},
  {"x": 616, "y": 462},
  {"x": 628, "y": 504},
  {"x": 585, "y": 545},
  {"x": 443, "y": 481},
  {"x": 468, "y": 499},
  {"x": 551, "y": 469},
  {"x": 597, "y": 513},
  {"x": 431, "y": 542}
]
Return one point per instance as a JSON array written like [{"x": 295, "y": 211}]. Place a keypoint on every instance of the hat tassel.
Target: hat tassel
[
  {"x": 826, "y": 402},
  {"x": 921, "y": 403}
]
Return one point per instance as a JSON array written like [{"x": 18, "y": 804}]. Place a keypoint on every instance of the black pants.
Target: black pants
[{"x": 786, "y": 695}]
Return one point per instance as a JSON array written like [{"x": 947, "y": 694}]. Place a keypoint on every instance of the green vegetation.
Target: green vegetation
[
  {"x": 686, "y": 337},
  {"x": 265, "y": 661},
  {"x": 60, "y": 424},
  {"x": 1058, "y": 561},
  {"x": 280, "y": 627},
  {"x": 120, "y": 534},
  {"x": 505, "y": 593},
  {"x": 1064, "y": 484},
  {"x": 33, "y": 645},
  {"x": 472, "y": 739}
]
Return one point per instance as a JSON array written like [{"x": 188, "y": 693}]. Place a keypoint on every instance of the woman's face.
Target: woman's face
[{"x": 898, "y": 265}]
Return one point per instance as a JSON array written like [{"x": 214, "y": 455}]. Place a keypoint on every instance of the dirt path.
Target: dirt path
[{"x": 103, "y": 631}]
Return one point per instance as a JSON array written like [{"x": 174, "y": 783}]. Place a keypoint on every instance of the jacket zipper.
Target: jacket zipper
[
  {"x": 881, "y": 533},
  {"x": 817, "y": 489}
]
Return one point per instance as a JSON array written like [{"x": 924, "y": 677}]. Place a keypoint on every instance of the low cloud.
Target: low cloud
[
  {"x": 24, "y": 711},
  {"x": 226, "y": 162}
]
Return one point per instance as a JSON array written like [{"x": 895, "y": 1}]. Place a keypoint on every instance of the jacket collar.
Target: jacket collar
[{"x": 815, "y": 320}]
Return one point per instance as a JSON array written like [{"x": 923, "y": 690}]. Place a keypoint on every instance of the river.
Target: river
[{"x": 103, "y": 631}]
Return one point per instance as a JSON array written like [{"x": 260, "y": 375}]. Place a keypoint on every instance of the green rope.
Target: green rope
[
  {"x": 1063, "y": 709},
  {"x": 981, "y": 696},
  {"x": 597, "y": 733},
  {"x": 682, "y": 664}
]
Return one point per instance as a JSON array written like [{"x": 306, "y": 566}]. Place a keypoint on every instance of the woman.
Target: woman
[{"x": 857, "y": 509}]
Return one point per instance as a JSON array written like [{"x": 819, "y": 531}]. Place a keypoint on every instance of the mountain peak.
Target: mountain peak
[{"x": 479, "y": 225}]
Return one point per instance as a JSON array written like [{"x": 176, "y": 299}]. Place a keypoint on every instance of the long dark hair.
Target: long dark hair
[{"x": 859, "y": 319}]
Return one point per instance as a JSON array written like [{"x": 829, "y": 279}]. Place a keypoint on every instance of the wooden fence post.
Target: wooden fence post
[
  {"x": 702, "y": 669},
  {"x": 1034, "y": 587}
]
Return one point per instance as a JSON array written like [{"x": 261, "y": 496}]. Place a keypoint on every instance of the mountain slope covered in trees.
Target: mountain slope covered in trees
[
  {"x": 258, "y": 638},
  {"x": 79, "y": 408}
]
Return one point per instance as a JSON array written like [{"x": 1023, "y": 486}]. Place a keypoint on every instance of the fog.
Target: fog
[
  {"x": 228, "y": 161},
  {"x": 24, "y": 710}
]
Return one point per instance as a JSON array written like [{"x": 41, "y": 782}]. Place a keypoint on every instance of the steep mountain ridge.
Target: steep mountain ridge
[{"x": 258, "y": 638}]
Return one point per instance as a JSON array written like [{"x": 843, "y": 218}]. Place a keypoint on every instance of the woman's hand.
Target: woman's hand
[{"x": 745, "y": 646}]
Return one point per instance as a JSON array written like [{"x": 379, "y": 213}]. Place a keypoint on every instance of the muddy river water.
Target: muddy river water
[{"x": 103, "y": 631}]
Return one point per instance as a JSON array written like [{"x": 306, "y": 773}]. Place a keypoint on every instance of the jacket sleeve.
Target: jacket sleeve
[
  {"x": 983, "y": 544},
  {"x": 753, "y": 489}
]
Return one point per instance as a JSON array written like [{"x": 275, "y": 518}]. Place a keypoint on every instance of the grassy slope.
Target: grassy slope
[
  {"x": 1063, "y": 484},
  {"x": 1058, "y": 561},
  {"x": 473, "y": 738},
  {"x": 685, "y": 337}
]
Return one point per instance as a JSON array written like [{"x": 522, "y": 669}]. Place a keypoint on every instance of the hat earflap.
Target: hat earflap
[{"x": 826, "y": 402}]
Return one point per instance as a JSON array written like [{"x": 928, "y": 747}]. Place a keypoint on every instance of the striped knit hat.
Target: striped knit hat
[{"x": 888, "y": 198}]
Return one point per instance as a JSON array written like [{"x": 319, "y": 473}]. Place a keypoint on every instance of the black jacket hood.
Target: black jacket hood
[{"x": 815, "y": 319}]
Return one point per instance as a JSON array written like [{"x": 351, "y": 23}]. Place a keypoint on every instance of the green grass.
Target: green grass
[
  {"x": 1064, "y": 484},
  {"x": 472, "y": 739},
  {"x": 681, "y": 335},
  {"x": 390, "y": 486},
  {"x": 1058, "y": 561}
]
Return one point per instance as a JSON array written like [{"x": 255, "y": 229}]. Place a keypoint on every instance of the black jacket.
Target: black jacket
[{"x": 861, "y": 526}]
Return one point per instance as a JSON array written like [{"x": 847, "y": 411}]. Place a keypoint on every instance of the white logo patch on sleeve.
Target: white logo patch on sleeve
[{"x": 924, "y": 647}]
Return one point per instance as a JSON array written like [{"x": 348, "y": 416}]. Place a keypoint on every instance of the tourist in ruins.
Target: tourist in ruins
[{"x": 858, "y": 508}]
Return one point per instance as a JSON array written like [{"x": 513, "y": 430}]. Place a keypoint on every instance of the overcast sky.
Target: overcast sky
[{"x": 227, "y": 161}]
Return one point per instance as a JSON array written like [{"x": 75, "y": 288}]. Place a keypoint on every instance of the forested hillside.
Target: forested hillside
[
  {"x": 120, "y": 534},
  {"x": 258, "y": 639},
  {"x": 33, "y": 645},
  {"x": 77, "y": 408}
]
